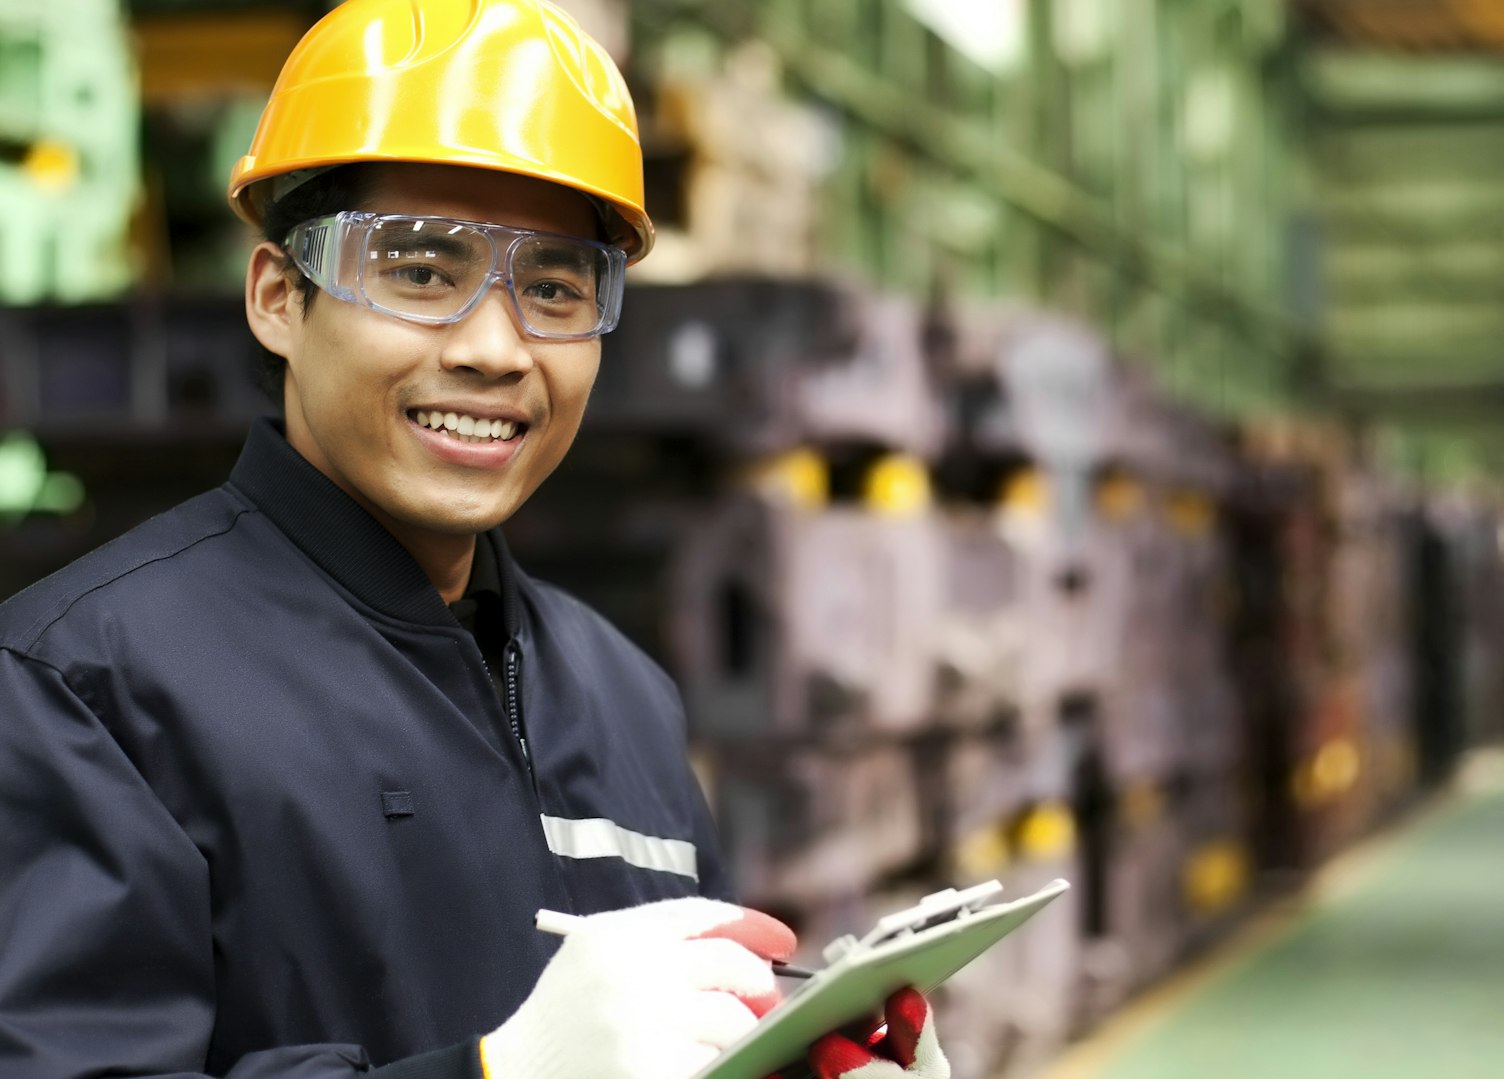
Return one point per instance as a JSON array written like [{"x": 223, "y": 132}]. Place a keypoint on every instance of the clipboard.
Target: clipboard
[{"x": 921, "y": 946}]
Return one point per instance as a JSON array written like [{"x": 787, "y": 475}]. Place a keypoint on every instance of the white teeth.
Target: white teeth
[{"x": 467, "y": 428}]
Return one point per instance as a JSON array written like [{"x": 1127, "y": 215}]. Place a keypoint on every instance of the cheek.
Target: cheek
[
  {"x": 349, "y": 370},
  {"x": 569, "y": 379},
  {"x": 573, "y": 381}
]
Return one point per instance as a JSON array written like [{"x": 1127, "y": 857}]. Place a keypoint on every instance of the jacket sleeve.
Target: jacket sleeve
[{"x": 106, "y": 955}]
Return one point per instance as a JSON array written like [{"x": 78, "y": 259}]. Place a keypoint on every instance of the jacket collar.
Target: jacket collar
[{"x": 343, "y": 539}]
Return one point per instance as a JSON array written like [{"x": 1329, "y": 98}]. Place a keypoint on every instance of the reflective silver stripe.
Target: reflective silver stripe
[{"x": 597, "y": 837}]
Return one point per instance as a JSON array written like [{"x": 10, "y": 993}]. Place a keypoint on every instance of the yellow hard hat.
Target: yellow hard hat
[{"x": 512, "y": 85}]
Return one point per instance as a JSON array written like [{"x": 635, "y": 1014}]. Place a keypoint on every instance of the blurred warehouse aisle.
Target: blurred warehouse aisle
[
  {"x": 1390, "y": 965},
  {"x": 1051, "y": 438}
]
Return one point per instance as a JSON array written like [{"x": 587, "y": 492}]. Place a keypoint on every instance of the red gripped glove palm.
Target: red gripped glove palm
[{"x": 909, "y": 1051}]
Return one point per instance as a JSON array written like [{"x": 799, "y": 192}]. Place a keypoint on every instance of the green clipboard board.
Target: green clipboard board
[{"x": 921, "y": 946}]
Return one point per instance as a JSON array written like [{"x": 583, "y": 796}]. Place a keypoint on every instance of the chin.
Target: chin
[
  {"x": 440, "y": 517},
  {"x": 470, "y": 524},
  {"x": 464, "y": 525}
]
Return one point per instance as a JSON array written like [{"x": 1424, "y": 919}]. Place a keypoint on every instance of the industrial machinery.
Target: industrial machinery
[{"x": 69, "y": 169}]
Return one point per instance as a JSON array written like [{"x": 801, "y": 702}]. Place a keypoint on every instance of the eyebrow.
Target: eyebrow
[
  {"x": 434, "y": 242},
  {"x": 561, "y": 254}
]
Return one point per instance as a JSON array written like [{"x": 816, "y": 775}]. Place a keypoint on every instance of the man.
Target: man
[{"x": 287, "y": 772}]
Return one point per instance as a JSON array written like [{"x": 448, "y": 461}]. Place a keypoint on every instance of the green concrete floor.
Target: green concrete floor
[{"x": 1392, "y": 969}]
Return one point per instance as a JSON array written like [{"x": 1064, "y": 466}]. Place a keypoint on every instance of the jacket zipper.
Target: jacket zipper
[
  {"x": 512, "y": 699},
  {"x": 510, "y": 691},
  {"x": 512, "y": 678}
]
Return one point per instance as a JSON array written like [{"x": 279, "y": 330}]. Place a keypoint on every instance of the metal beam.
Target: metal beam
[
  {"x": 1414, "y": 25},
  {"x": 211, "y": 55},
  {"x": 1454, "y": 362},
  {"x": 1477, "y": 403},
  {"x": 1452, "y": 270},
  {"x": 1419, "y": 152},
  {"x": 1361, "y": 85},
  {"x": 1359, "y": 329},
  {"x": 1423, "y": 228},
  {"x": 1396, "y": 194}
]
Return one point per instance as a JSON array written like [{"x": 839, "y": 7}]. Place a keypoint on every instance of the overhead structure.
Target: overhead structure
[
  {"x": 1408, "y": 24},
  {"x": 1406, "y": 134},
  {"x": 1128, "y": 163}
]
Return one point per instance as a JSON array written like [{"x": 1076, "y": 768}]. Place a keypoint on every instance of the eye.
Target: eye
[
  {"x": 419, "y": 275},
  {"x": 553, "y": 291}
]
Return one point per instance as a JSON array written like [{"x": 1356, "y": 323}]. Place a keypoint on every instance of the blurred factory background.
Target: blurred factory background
[{"x": 1051, "y": 438}]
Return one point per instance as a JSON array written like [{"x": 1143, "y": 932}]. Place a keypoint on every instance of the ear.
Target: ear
[{"x": 271, "y": 299}]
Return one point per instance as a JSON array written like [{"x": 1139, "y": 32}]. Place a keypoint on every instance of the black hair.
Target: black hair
[{"x": 342, "y": 188}]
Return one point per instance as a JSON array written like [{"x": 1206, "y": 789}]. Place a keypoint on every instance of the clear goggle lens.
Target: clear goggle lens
[{"x": 435, "y": 270}]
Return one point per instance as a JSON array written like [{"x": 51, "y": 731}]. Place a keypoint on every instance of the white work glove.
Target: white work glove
[
  {"x": 908, "y": 1051},
  {"x": 651, "y": 992}
]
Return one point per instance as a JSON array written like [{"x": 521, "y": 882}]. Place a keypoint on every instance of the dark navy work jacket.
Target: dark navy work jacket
[{"x": 262, "y": 812}]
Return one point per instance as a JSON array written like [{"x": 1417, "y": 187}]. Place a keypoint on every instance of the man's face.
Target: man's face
[{"x": 359, "y": 381}]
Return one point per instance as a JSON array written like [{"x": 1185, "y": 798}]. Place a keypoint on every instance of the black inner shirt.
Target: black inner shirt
[{"x": 482, "y": 610}]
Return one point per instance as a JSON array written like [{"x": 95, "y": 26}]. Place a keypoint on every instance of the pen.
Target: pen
[{"x": 561, "y": 925}]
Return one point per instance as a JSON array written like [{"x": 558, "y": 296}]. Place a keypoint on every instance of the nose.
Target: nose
[{"x": 489, "y": 340}]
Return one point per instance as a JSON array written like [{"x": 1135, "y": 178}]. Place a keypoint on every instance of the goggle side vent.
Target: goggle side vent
[{"x": 315, "y": 239}]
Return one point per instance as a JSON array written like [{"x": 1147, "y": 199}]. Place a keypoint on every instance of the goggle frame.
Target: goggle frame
[{"x": 318, "y": 246}]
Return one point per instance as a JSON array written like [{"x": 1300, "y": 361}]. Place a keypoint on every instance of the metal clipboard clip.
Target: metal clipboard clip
[{"x": 934, "y": 909}]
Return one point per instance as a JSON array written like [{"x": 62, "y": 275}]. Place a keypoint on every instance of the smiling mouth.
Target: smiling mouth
[{"x": 463, "y": 428}]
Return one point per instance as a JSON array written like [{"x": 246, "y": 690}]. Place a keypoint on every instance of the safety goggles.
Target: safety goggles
[{"x": 435, "y": 270}]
